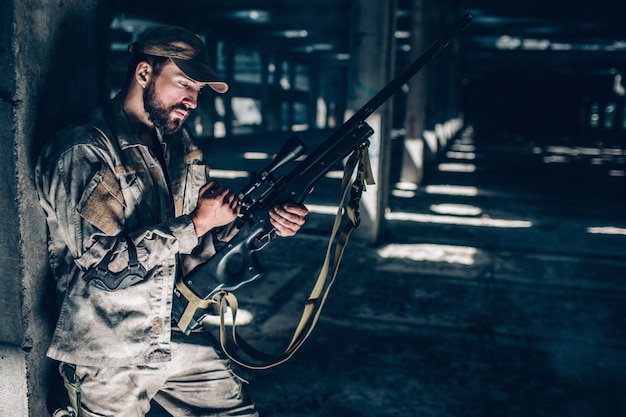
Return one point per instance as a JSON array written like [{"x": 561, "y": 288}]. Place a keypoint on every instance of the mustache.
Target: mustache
[{"x": 179, "y": 106}]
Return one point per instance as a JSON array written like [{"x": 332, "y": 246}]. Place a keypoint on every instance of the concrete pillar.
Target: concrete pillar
[
  {"x": 290, "y": 74},
  {"x": 276, "y": 94},
  {"x": 229, "y": 58},
  {"x": 51, "y": 54},
  {"x": 265, "y": 92},
  {"x": 275, "y": 98},
  {"x": 314, "y": 95},
  {"x": 439, "y": 78},
  {"x": 412, "y": 170},
  {"x": 433, "y": 104},
  {"x": 372, "y": 65},
  {"x": 206, "y": 114}
]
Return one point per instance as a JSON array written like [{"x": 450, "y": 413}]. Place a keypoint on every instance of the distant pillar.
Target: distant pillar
[
  {"x": 412, "y": 170},
  {"x": 53, "y": 55},
  {"x": 229, "y": 60},
  {"x": 433, "y": 101},
  {"x": 289, "y": 95},
  {"x": 372, "y": 65},
  {"x": 265, "y": 92},
  {"x": 315, "y": 94}
]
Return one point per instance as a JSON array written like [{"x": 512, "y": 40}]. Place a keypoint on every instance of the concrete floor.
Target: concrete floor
[{"x": 519, "y": 312}]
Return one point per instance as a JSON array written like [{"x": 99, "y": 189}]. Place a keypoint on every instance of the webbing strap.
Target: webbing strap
[
  {"x": 193, "y": 303},
  {"x": 315, "y": 302},
  {"x": 72, "y": 386}
]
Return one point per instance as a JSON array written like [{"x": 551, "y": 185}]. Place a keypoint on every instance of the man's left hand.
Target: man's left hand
[{"x": 287, "y": 219}]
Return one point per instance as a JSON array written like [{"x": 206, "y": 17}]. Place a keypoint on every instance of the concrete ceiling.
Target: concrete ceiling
[
  {"x": 545, "y": 39},
  {"x": 508, "y": 39}
]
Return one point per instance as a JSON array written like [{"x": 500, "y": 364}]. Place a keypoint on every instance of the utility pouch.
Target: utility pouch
[
  {"x": 72, "y": 385},
  {"x": 64, "y": 412},
  {"x": 100, "y": 277}
]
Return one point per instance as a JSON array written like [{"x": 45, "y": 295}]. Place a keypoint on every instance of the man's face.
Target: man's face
[{"x": 169, "y": 97}]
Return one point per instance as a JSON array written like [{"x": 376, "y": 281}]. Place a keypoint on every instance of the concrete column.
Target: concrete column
[
  {"x": 412, "y": 170},
  {"x": 229, "y": 117},
  {"x": 51, "y": 72},
  {"x": 439, "y": 79},
  {"x": 371, "y": 68},
  {"x": 206, "y": 114},
  {"x": 265, "y": 92},
  {"x": 314, "y": 94},
  {"x": 276, "y": 93},
  {"x": 288, "y": 96},
  {"x": 433, "y": 105}
]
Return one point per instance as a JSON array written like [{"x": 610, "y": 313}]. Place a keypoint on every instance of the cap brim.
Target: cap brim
[{"x": 201, "y": 73}]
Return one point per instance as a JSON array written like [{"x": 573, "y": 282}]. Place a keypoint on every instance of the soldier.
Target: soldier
[{"x": 130, "y": 205}]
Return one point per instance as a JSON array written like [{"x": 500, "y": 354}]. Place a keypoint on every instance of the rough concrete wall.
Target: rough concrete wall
[
  {"x": 10, "y": 331},
  {"x": 13, "y": 400},
  {"x": 51, "y": 53}
]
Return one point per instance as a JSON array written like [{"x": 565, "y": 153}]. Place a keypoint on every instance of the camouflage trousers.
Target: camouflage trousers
[{"x": 198, "y": 381}]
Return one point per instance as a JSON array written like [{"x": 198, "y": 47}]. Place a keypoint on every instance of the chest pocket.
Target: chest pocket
[
  {"x": 142, "y": 197},
  {"x": 145, "y": 194},
  {"x": 133, "y": 190},
  {"x": 102, "y": 203}
]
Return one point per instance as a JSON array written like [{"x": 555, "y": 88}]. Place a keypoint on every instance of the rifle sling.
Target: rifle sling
[
  {"x": 315, "y": 302},
  {"x": 193, "y": 304}
]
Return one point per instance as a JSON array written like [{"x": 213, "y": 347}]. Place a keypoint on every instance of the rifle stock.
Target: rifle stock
[{"x": 236, "y": 263}]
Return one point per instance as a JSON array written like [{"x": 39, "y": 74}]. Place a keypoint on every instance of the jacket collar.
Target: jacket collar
[{"x": 126, "y": 136}]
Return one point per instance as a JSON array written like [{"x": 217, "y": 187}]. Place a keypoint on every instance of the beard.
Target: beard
[{"x": 159, "y": 114}]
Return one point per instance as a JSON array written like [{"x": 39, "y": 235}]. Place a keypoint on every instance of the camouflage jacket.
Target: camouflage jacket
[{"x": 103, "y": 191}]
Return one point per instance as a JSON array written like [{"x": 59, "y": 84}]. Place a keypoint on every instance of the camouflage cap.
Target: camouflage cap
[{"x": 186, "y": 50}]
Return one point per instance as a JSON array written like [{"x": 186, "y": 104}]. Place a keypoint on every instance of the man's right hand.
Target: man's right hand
[{"x": 217, "y": 206}]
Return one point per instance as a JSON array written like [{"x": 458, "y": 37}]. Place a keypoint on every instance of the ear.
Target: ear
[{"x": 143, "y": 72}]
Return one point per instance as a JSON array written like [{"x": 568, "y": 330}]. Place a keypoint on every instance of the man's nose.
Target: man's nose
[{"x": 191, "y": 100}]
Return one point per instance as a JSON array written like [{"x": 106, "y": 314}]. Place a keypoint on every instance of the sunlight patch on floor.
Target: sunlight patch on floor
[
  {"x": 321, "y": 209},
  {"x": 243, "y": 317},
  {"x": 453, "y": 167},
  {"x": 222, "y": 173},
  {"x": 456, "y": 209},
  {"x": 461, "y": 221},
  {"x": 460, "y": 190},
  {"x": 256, "y": 155},
  {"x": 607, "y": 230},
  {"x": 463, "y": 255}
]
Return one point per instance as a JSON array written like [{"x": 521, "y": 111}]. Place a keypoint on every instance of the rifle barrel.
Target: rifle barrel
[{"x": 408, "y": 72}]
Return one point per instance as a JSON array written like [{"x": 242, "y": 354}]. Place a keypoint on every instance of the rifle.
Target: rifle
[{"x": 236, "y": 263}]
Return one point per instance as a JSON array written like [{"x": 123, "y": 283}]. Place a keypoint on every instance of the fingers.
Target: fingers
[
  {"x": 215, "y": 190},
  {"x": 216, "y": 206},
  {"x": 206, "y": 187},
  {"x": 231, "y": 200},
  {"x": 212, "y": 189},
  {"x": 287, "y": 219},
  {"x": 299, "y": 211}
]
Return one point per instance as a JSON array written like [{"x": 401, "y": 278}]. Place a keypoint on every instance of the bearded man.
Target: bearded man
[{"x": 130, "y": 207}]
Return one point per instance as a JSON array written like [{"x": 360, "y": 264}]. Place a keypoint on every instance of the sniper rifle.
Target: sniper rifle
[{"x": 236, "y": 263}]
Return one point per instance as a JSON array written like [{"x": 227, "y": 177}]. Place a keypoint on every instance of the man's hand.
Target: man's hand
[
  {"x": 217, "y": 206},
  {"x": 287, "y": 219}
]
